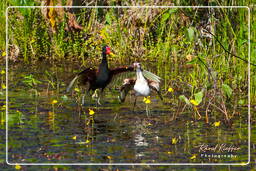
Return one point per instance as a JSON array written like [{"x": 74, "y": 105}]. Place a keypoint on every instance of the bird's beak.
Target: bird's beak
[
  {"x": 135, "y": 64},
  {"x": 112, "y": 54}
]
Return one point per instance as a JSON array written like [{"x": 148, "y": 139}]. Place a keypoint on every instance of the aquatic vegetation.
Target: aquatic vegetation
[
  {"x": 18, "y": 167},
  {"x": 193, "y": 157},
  {"x": 217, "y": 124},
  {"x": 53, "y": 102},
  {"x": 31, "y": 83},
  {"x": 2, "y": 72},
  {"x": 170, "y": 90},
  {"x": 91, "y": 112},
  {"x": 174, "y": 141},
  {"x": 147, "y": 100}
]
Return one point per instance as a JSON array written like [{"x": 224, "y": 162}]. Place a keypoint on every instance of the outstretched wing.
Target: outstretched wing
[
  {"x": 121, "y": 69},
  {"x": 86, "y": 75},
  {"x": 151, "y": 76},
  {"x": 128, "y": 85},
  {"x": 156, "y": 87},
  {"x": 119, "y": 74}
]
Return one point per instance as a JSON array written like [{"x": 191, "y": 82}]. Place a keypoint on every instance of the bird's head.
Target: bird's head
[
  {"x": 106, "y": 50},
  {"x": 137, "y": 65}
]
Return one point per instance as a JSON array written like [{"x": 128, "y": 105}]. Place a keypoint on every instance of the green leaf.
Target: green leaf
[
  {"x": 191, "y": 33},
  {"x": 165, "y": 17},
  {"x": 184, "y": 98},
  {"x": 108, "y": 19},
  {"x": 227, "y": 90},
  {"x": 241, "y": 102},
  {"x": 64, "y": 98},
  {"x": 199, "y": 96},
  {"x": 193, "y": 61}
]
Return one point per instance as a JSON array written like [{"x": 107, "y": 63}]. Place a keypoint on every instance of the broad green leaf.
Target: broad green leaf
[
  {"x": 165, "y": 17},
  {"x": 227, "y": 90},
  {"x": 199, "y": 96},
  {"x": 191, "y": 33},
  {"x": 241, "y": 102},
  {"x": 64, "y": 97},
  {"x": 184, "y": 98}
]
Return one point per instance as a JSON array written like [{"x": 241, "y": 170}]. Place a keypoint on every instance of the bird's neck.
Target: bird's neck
[
  {"x": 104, "y": 63},
  {"x": 104, "y": 59},
  {"x": 139, "y": 74}
]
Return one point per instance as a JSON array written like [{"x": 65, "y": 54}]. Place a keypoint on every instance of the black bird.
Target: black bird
[{"x": 101, "y": 77}]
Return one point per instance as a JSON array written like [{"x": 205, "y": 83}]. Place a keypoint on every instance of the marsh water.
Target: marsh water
[{"x": 43, "y": 131}]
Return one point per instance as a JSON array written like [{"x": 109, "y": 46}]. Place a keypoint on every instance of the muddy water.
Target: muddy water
[{"x": 42, "y": 132}]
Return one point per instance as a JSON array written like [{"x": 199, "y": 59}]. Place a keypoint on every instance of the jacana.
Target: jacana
[
  {"x": 99, "y": 78},
  {"x": 142, "y": 86}
]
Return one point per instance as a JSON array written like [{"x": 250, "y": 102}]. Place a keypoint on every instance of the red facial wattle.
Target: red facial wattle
[{"x": 108, "y": 50}]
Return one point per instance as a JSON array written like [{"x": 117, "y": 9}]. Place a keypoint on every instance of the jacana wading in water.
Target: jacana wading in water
[
  {"x": 101, "y": 77},
  {"x": 141, "y": 85}
]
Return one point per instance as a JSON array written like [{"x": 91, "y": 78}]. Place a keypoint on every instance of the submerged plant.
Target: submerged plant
[{"x": 31, "y": 82}]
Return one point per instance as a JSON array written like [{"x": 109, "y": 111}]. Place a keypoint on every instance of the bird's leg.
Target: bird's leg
[
  {"x": 100, "y": 95},
  {"x": 160, "y": 95},
  {"x": 83, "y": 98},
  {"x": 147, "y": 111},
  {"x": 83, "y": 95},
  {"x": 98, "y": 101},
  {"x": 95, "y": 97}
]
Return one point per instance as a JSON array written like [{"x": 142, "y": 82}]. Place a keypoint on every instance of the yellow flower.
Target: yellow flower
[
  {"x": 174, "y": 140},
  {"x": 170, "y": 90},
  {"x": 193, "y": 156},
  {"x": 147, "y": 100},
  {"x": 87, "y": 141},
  {"x": 17, "y": 167},
  {"x": 109, "y": 157},
  {"x": 216, "y": 124},
  {"x": 77, "y": 89},
  {"x": 194, "y": 102},
  {"x": 3, "y": 72},
  {"x": 4, "y": 53},
  {"x": 169, "y": 152},
  {"x": 54, "y": 101},
  {"x": 3, "y": 86},
  {"x": 3, "y": 107},
  {"x": 91, "y": 112},
  {"x": 74, "y": 137}
]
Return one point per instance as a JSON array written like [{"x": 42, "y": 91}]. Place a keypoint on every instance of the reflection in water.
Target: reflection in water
[{"x": 140, "y": 140}]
